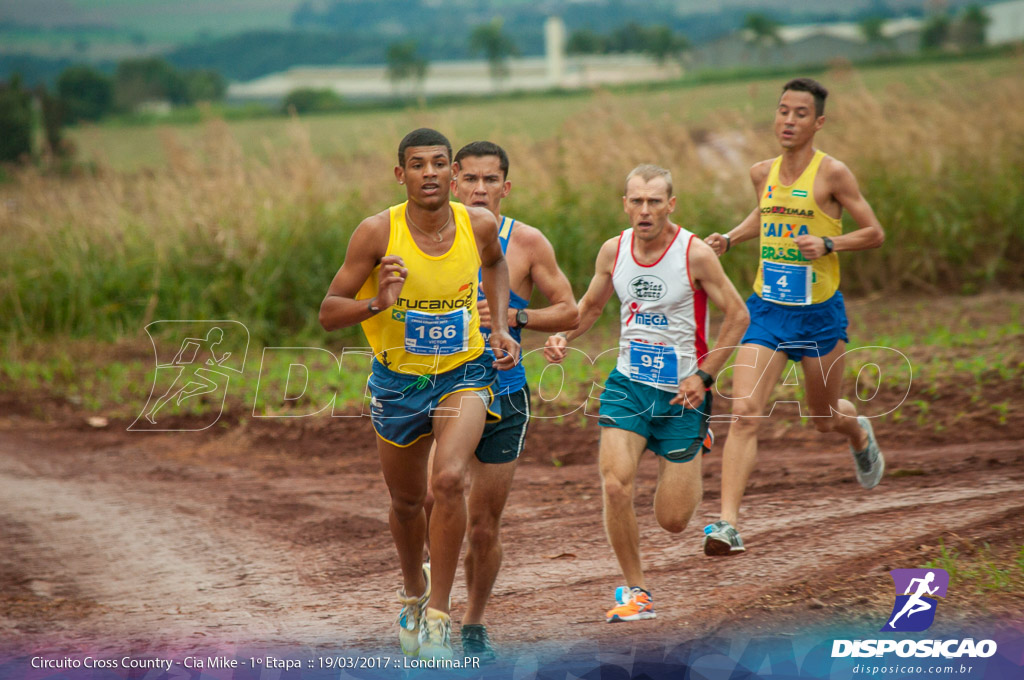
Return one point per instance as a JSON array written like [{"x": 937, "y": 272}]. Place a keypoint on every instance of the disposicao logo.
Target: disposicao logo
[
  {"x": 916, "y": 590},
  {"x": 914, "y": 611}
]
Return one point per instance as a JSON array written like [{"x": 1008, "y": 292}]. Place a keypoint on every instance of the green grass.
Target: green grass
[
  {"x": 96, "y": 378},
  {"x": 535, "y": 116},
  {"x": 981, "y": 569},
  {"x": 249, "y": 220}
]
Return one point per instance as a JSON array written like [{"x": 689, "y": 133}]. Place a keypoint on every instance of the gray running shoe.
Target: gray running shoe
[
  {"x": 870, "y": 461},
  {"x": 721, "y": 538},
  {"x": 475, "y": 642}
]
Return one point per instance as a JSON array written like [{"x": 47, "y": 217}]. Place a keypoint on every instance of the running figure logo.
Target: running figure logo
[
  {"x": 202, "y": 365},
  {"x": 916, "y": 589}
]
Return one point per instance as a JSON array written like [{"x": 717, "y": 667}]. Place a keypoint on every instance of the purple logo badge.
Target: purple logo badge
[{"x": 916, "y": 590}]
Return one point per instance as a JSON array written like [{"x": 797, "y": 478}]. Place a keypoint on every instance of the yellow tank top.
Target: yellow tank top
[
  {"x": 434, "y": 326},
  {"x": 787, "y": 211}
]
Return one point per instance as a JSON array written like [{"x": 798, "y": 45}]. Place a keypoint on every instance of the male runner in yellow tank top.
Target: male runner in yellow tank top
[
  {"x": 410, "y": 277},
  {"x": 796, "y": 311}
]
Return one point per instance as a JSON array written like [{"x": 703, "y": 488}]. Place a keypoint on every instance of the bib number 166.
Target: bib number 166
[{"x": 436, "y": 333}]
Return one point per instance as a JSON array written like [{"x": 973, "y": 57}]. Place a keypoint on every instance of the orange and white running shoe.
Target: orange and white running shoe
[
  {"x": 634, "y": 604},
  {"x": 708, "y": 443}
]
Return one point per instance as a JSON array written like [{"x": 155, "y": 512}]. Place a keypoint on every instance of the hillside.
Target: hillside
[{"x": 40, "y": 38}]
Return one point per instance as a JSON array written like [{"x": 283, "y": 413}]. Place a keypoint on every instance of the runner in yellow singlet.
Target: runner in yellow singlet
[
  {"x": 410, "y": 277},
  {"x": 796, "y": 311}
]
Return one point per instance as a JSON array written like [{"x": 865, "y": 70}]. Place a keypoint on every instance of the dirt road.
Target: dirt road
[{"x": 276, "y": 534}]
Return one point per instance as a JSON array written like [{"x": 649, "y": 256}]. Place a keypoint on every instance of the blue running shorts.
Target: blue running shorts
[
  {"x": 799, "y": 331},
  {"x": 671, "y": 431},
  {"x": 402, "y": 405}
]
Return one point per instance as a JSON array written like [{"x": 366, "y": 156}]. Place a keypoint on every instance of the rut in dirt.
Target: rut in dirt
[{"x": 242, "y": 547}]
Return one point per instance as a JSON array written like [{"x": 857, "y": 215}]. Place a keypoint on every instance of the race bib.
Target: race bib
[
  {"x": 433, "y": 334},
  {"x": 786, "y": 283},
  {"x": 656, "y": 364}
]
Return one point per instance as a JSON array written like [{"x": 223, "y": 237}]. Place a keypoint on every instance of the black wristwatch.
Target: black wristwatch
[
  {"x": 522, "y": 318},
  {"x": 705, "y": 377},
  {"x": 829, "y": 246}
]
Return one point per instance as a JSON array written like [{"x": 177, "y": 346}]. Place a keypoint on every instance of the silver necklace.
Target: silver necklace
[{"x": 426, "y": 233}]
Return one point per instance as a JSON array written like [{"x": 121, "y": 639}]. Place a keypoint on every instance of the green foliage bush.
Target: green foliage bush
[
  {"x": 312, "y": 100},
  {"x": 15, "y": 121},
  {"x": 87, "y": 93}
]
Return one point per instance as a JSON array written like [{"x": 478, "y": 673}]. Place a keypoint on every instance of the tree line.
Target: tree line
[{"x": 85, "y": 93}]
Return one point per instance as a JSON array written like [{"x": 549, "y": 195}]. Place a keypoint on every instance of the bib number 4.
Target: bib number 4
[{"x": 786, "y": 283}]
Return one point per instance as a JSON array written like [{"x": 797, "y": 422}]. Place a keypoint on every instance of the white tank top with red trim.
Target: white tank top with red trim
[{"x": 663, "y": 315}]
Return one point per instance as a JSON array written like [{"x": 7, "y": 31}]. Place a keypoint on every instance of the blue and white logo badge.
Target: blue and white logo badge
[{"x": 916, "y": 590}]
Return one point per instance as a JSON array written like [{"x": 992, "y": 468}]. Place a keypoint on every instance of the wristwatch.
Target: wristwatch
[
  {"x": 522, "y": 318},
  {"x": 828, "y": 244},
  {"x": 705, "y": 377},
  {"x": 372, "y": 306}
]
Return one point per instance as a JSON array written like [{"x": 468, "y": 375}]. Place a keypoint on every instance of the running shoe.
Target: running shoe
[
  {"x": 721, "y": 538},
  {"x": 870, "y": 461},
  {"x": 632, "y": 604},
  {"x": 475, "y": 642},
  {"x": 435, "y": 635},
  {"x": 709, "y": 441},
  {"x": 409, "y": 617}
]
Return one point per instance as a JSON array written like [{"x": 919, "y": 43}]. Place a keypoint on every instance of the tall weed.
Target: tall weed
[{"x": 222, "y": 231}]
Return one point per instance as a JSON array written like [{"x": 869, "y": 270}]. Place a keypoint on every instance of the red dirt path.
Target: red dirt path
[{"x": 274, "y": 533}]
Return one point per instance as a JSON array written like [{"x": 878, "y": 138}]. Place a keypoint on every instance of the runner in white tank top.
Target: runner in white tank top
[
  {"x": 663, "y": 316},
  {"x": 663, "y": 277}
]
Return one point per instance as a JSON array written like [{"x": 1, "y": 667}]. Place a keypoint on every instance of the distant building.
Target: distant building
[
  {"x": 808, "y": 44},
  {"x": 554, "y": 50},
  {"x": 800, "y": 45},
  {"x": 1007, "y": 22},
  {"x": 463, "y": 77}
]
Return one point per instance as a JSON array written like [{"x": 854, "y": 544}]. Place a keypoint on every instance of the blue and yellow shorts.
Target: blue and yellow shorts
[{"x": 402, "y": 406}]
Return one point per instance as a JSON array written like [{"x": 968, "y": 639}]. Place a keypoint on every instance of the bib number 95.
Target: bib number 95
[{"x": 656, "y": 364}]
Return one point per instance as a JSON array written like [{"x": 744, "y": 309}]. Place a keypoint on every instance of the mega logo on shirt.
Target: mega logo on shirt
[
  {"x": 641, "y": 319},
  {"x": 644, "y": 318}
]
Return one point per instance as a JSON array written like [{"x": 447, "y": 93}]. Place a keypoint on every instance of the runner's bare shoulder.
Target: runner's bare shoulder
[
  {"x": 372, "y": 235},
  {"x": 759, "y": 172},
  {"x": 482, "y": 220}
]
